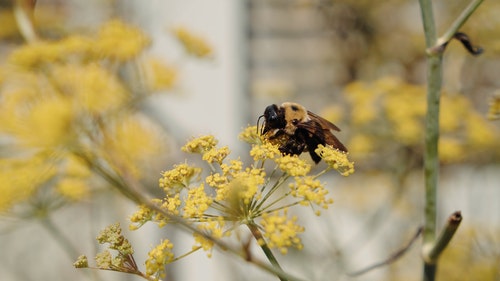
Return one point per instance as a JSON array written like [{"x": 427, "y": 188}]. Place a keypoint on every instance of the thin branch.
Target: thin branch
[
  {"x": 392, "y": 258},
  {"x": 432, "y": 252},
  {"x": 459, "y": 22}
]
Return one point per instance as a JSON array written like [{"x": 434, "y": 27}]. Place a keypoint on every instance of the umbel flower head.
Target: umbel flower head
[{"x": 233, "y": 194}]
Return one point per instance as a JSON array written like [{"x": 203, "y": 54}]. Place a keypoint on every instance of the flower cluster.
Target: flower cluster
[
  {"x": 240, "y": 195},
  {"x": 388, "y": 114},
  {"x": 123, "y": 260},
  {"x": 67, "y": 103}
]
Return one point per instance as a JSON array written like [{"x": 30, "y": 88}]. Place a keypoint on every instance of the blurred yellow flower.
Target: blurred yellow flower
[
  {"x": 159, "y": 75},
  {"x": 132, "y": 142},
  {"x": 193, "y": 44},
  {"x": 451, "y": 150},
  {"x": 119, "y": 41},
  {"x": 50, "y": 123},
  {"x": 494, "y": 110},
  {"x": 73, "y": 188},
  {"x": 20, "y": 178},
  {"x": 93, "y": 88}
]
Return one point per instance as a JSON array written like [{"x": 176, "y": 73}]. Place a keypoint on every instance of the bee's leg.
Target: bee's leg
[{"x": 292, "y": 147}]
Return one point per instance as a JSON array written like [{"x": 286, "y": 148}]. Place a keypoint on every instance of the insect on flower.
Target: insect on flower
[{"x": 295, "y": 130}]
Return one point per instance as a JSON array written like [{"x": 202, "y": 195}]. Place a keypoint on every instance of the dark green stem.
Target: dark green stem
[{"x": 257, "y": 234}]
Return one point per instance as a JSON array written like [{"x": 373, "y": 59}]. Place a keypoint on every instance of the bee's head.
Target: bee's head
[{"x": 273, "y": 118}]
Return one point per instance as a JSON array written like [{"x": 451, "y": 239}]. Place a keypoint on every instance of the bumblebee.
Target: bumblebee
[{"x": 295, "y": 130}]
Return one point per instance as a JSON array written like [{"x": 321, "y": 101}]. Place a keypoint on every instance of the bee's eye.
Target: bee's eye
[{"x": 295, "y": 121}]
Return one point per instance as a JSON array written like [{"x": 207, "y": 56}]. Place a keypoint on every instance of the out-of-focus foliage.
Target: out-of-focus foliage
[
  {"x": 479, "y": 249},
  {"x": 68, "y": 107},
  {"x": 386, "y": 117}
]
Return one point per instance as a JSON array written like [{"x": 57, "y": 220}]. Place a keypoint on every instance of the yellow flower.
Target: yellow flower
[
  {"x": 35, "y": 55},
  {"x": 281, "y": 232},
  {"x": 494, "y": 110},
  {"x": 200, "y": 144},
  {"x": 250, "y": 135},
  {"x": 73, "y": 188},
  {"x": 159, "y": 75},
  {"x": 158, "y": 257},
  {"x": 113, "y": 236},
  {"x": 241, "y": 189},
  {"x": 451, "y": 150},
  {"x": 179, "y": 177},
  {"x": 361, "y": 144},
  {"x": 81, "y": 262},
  {"x": 213, "y": 228},
  {"x": 104, "y": 260},
  {"x": 140, "y": 217},
  {"x": 216, "y": 155},
  {"x": 92, "y": 87},
  {"x": 50, "y": 124},
  {"x": 76, "y": 47},
  {"x": 239, "y": 193},
  {"x": 132, "y": 142},
  {"x": 293, "y": 165},
  {"x": 479, "y": 132},
  {"x": 196, "y": 203},
  {"x": 311, "y": 190},
  {"x": 20, "y": 178},
  {"x": 217, "y": 180},
  {"x": 193, "y": 44},
  {"x": 120, "y": 42},
  {"x": 234, "y": 167},
  {"x": 336, "y": 159},
  {"x": 264, "y": 151}
]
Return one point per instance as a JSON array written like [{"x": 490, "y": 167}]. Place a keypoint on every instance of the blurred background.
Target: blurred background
[{"x": 152, "y": 74}]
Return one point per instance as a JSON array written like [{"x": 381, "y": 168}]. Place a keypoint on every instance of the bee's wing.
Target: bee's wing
[
  {"x": 325, "y": 124},
  {"x": 323, "y": 129}
]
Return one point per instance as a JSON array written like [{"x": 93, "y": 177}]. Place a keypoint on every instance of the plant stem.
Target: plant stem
[
  {"x": 431, "y": 156},
  {"x": 263, "y": 245},
  {"x": 461, "y": 19}
]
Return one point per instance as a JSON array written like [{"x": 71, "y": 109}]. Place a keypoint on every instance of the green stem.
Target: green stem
[
  {"x": 431, "y": 156},
  {"x": 263, "y": 245},
  {"x": 459, "y": 22}
]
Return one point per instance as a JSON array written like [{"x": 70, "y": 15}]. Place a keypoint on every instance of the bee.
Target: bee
[{"x": 295, "y": 130}]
